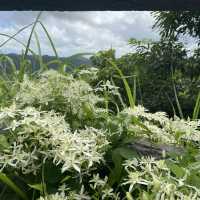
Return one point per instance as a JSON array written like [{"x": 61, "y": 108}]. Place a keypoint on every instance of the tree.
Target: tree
[{"x": 174, "y": 23}]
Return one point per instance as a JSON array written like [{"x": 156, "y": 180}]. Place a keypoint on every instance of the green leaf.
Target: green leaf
[
  {"x": 37, "y": 186},
  {"x": 3, "y": 142},
  {"x": 139, "y": 123},
  {"x": 65, "y": 179},
  {"x": 194, "y": 179},
  {"x": 52, "y": 173},
  {"x": 129, "y": 139},
  {"x": 30, "y": 36},
  {"x": 16, "y": 40},
  {"x": 127, "y": 87},
  {"x": 178, "y": 171},
  {"x": 88, "y": 110},
  {"x": 178, "y": 135},
  {"x": 49, "y": 38},
  {"x": 115, "y": 174},
  {"x": 146, "y": 196},
  {"x": 118, "y": 155},
  {"x": 39, "y": 51},
  {"x": 129, "y": 196},
  {"x": 5, "y": 179},
  {"x": 127, "y": 153},
  {"x": 196, "y": 108}
]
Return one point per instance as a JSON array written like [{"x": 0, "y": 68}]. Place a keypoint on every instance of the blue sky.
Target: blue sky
[{"x": 78, "y": 32}]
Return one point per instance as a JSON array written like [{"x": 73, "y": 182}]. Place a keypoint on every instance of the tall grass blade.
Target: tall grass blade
[
  {"x": 39, "y": 51},
  {"x": 30, "y": 36},
  {"x": 14, "y": 35},
  {"x": 196, "y": 108},
  {"x": 127, "y": 87},
  {"x": 18, "y": 41},
  {"x": 80, "y": 54},
  {"x": 13, "y": 186},
  {"x": 62, "y": 68},
  {"x": 44, "y": 186},
  {"x": 23, "y": 63},
  {"x": 139, "y": 91},
  {"x": 170, "y": 102},
  {"x": 175, "y": 93},
  {"x": 135, "y": 88},
  {"x": 119, "y": 95},
  {"x": 57, "y": 62},
  {"x": 24, "y": 45},
  {"x": 177, "y": 101},
  {"x": 50, "y": 40}
]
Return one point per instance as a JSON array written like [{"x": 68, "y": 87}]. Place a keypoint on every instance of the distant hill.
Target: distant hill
[{"x": 72, "y": 61}]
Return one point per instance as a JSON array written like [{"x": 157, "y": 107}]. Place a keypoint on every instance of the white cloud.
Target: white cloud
[{"x": 75, "y": 32}]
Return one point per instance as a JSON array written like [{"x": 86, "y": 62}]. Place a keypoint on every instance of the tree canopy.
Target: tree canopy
[{"x": 175, "y": 23}]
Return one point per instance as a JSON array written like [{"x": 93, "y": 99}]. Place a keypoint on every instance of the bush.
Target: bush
[{"x": 60, "y": 140}]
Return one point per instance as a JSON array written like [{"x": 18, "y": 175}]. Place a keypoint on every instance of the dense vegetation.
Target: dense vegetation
[{"x": 87, "y": 133}]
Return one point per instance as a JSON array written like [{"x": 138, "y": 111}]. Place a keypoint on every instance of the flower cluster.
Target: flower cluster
[
  {"x": 52, "y": 90},
  {"x": 90, "y": 73},
  {"x": 71, "y": 195},
  {"x": 156, "y": 177},
  {"x": 98, "y": 184},
  {"x": 40, "y": 135},
  {"x": 83, "y": 147},
  {"x": 55, "y": 196},
  {"x": 159, "y": 127},
  {"x": 109, "y": 88},
  {"x": 57, "y": 119}
]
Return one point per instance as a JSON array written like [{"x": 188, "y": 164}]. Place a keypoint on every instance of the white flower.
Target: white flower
[
  {"x": 159, "y": 127},
  {"x": 135, "y": 178},
  {"x": 130, "y": 164},
  {"x": 161, "y": 184},
  {"x": 107, "y": 193},
  {"x": 81, "y": 195},
  {"x": 43, "y": 135},
  {"x": 82, "y": 147},
  {"x": 56, "y": 196},
  {"x": 54, "y": 89},
  {"x": 111, "y": 89},
  {"x": 98, "y": 182}
]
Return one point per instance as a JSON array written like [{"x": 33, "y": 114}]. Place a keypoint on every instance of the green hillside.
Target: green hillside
[{"x": 71, "y": 62}]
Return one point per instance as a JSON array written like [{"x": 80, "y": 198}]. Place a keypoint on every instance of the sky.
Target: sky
[{"x": 78, "y": 32}]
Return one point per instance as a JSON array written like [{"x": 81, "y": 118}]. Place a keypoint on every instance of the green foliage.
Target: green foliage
[
  {"x": 84, "y": 135},
  {"x": 161, "y": 75},
  {"x": 12, "y": 185},
  {"x": 174, "y": 23},
  {"x": 128, "y": 90},
  {"x": 79, "y": 149}
]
